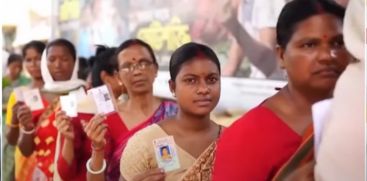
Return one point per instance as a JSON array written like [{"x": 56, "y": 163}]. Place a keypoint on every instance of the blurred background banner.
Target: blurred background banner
[{"x": 242, "y": 33}]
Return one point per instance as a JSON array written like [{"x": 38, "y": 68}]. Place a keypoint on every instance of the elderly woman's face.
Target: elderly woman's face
[{"x": 315, "y": 56}]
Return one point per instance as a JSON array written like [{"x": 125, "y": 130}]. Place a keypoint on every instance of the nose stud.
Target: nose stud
[{"x": 333, "y": 53}]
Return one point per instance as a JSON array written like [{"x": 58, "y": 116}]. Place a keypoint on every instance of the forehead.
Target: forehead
[
  {"x": 58, "y": 50},
  {"x": 198, "y": 66},
  {"x": 134, "y": 53},
  {"x": 320, "y": 25},
  {"x": 31, "y": 51}
]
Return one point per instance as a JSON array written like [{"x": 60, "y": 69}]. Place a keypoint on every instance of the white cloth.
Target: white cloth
[
  {"x": 342, "y": 149},
  {"x": 59, "y": 86},
  {"x": 321, "y": 112}
]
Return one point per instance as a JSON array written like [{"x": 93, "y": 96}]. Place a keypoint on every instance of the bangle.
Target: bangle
[
  {"x": 96, "y": 172},
  {"x": 27, "y": 132}
]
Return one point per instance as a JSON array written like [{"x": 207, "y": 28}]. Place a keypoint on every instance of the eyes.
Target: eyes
[
  {"x": 210, "y": 80},
  {"x": 52, "y": 59},
  {"x": 336, "y": 43}
]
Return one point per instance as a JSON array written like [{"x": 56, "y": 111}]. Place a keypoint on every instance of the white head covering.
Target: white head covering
[
  {"x": 59, "y": 86},
  {"x": 354, "y": 29}
]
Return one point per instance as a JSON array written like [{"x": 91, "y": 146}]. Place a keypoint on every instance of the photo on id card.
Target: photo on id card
[
  {"x": 32, "y": 99},
  {"x": 69, "y": 105},
  {"x": 166, "y": 153},
  {"x": 102, "y": 98}
]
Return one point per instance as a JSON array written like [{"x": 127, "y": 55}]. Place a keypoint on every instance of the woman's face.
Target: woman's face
[
  {"x": 15, "y": 69},
  {"x": 197, "y": 86},
  {"x": 32, "y": 61},
  {"x": 60, "y": 63},
  {"x": 136, "y": 69},
  {"x": 165, "y": 152},
  {"x": 315, "y": 56}
]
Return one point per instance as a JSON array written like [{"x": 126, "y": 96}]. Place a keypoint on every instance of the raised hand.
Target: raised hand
[
  {"x": 96, "y": 130},
  {"x": 24, "y": 116},
  {"x": 64, "y": 125}
]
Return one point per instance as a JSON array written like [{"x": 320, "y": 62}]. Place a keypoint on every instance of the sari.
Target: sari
[
  {"x": 303, "y": 155},
  {"x": 139, "y": 157},
  {"x": 24, "y": 166},
  {"x": 165, "y": 110},
  {"x": 116, "y": 137},
  {"x": 257, "y": 147}
]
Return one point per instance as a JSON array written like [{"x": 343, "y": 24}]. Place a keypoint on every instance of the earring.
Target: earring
[
  {"x": 120, "y": 83},
  {"x": 173, "y": 94}
]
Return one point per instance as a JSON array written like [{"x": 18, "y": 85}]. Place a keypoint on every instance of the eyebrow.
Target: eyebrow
[{"x": 194, "y": 75}]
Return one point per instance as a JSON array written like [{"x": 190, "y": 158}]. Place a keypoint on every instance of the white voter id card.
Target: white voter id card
[
  {"x": 69, "y": 105},
  {"x": 102, "y": 99},
  {"x": 166, "y": 153},
  {"x": 32, "y": 99},
  {"x": 19, "y": 94}
]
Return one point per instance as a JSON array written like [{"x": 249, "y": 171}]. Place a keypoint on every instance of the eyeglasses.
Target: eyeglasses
[{"x": 131, "y": 67}]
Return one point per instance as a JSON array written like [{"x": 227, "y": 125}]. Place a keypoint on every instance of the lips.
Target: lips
[
  {"x": 328, "y": 72},
  {"x": 137, "y": 82},
  {"x": 203, "y": 102}
]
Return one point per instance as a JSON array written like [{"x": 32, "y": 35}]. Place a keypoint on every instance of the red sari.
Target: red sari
[
  {"x": 255, "y": 147},
  {"x": 45, "y": 140},
  {"x": 117, "y": 137}
]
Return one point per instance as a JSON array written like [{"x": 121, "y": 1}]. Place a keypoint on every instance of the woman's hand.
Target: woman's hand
[
  {"x": 64, "y": 125},
  {"x": 24, "y": 116},
  {"x": 96, "y": 130},
  {"x": 14, "y": 119}
]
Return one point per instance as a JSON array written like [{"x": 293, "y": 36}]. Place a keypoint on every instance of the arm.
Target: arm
[
  {"x": 260, "y": 54},
  {"x": 135, "y": 160},
  {"x": 235, "y": 57},
  {"x": 26, "y": 143},
  {"x": 66, "y": 162},
  {"x": 12, "y": 121},
  {"x": 96, "y": 131}
]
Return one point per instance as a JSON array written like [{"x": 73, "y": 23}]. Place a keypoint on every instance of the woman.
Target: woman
[
  {"x": 275, "y": 138},
  {"x": 59, "y": 68},
  {"x": 106, "y": 136},
  {"x": 32, "y": 53},
  {"x": 71, "y": 162},
  {"x": 195, "y": 82}
]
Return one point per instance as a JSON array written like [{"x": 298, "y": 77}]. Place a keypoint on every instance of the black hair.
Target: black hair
[
  {"x": 84, "y": 68},
  {"x": 65, "y": 43},
  {"x": 14, "y": 58},
  {"x": 37, "y": 45},
  {"x": 186, "y": 53},
  {"x": 131, "y": 42},
  {"x": 103, "y": 61},
  {"x": 298, "y": 10}
]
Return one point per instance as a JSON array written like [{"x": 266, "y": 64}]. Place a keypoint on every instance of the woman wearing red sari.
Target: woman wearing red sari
[
  {"x": 105, "y": 137},
  {"x": 274, "y": 138},
  {"x": 59, "y": 68}
]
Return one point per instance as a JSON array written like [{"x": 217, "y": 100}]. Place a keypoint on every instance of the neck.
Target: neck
[
  {"x": 143, "y": 102},
  {"x": 305, "y": 98},
  {"x": 37, "y": 83},
  {"x": 193, "y": 123}
]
